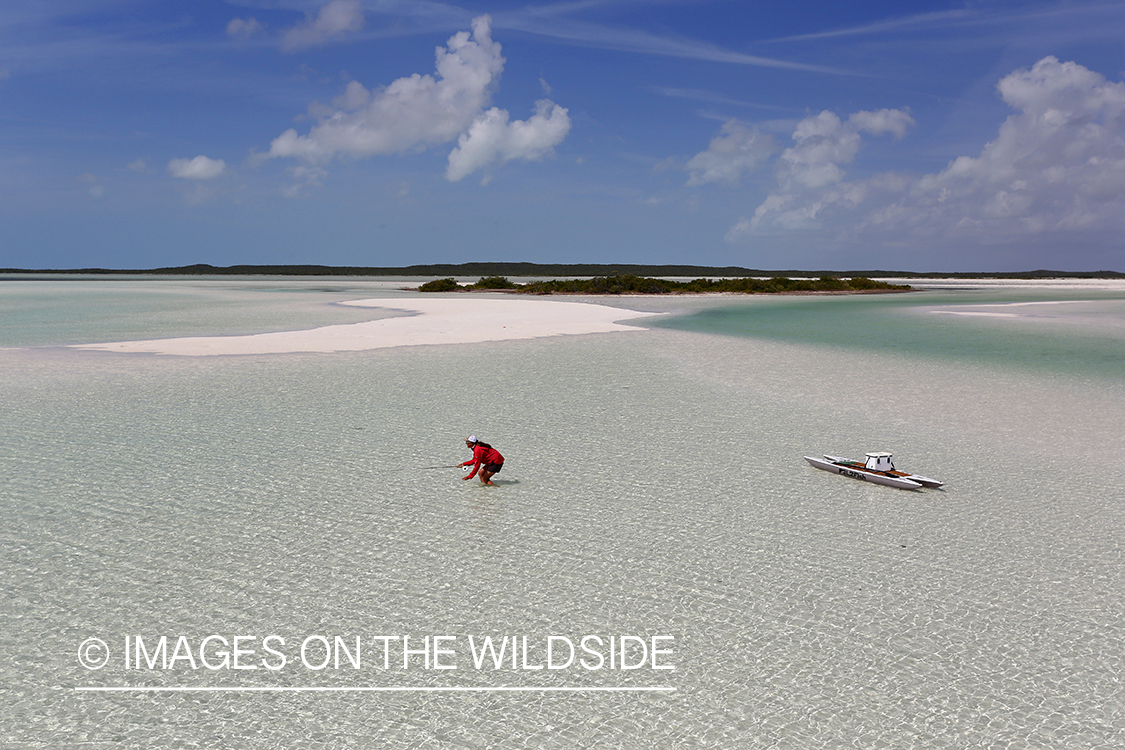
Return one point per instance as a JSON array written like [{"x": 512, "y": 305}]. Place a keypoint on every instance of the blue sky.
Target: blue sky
[{"x": 931, "y": 136}]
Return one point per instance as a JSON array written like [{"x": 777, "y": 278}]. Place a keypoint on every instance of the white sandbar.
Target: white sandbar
[{"x": 442, "y": 320}]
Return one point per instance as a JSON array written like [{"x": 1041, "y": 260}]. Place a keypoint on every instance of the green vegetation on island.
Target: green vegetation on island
[{"x": 629, "y": 284}]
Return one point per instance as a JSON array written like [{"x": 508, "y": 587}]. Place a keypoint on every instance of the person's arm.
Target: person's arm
[{"x": 477, "y": 452}]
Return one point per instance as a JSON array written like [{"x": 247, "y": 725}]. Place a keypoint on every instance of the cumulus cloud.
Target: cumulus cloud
[
  {"x": 421, "y": 111},
  {"x": 1057, "y": 164},
  {"x": 199, "y": 168},
  {"x": 735, "y": 150},
  {"x": 337, "y": 18},
  {"x": 1055, "y": 168},
  {"x": 893, "y": 121},
  {"x": 824, "y": 142},
  {"x": 411, "y": 113},
  {"x": 810, "y": 173},
  {"x": 491, "y": 139}
]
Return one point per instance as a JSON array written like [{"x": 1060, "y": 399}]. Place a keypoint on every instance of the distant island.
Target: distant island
[
  {"x": 544, "y": 270},
  {"x": 630, "y": 284}
]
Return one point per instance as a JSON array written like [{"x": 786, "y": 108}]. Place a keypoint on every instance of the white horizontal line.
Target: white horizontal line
[{"x": 218, "y": 689}]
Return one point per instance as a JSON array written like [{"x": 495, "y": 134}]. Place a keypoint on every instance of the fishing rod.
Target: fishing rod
[{"x": 450, "y": 466}]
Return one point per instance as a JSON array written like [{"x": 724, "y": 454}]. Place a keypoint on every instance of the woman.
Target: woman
[{"x": 485, "y": 458}]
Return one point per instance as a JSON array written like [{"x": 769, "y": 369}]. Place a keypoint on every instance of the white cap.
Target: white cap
[{"x": 471, "y": 439}]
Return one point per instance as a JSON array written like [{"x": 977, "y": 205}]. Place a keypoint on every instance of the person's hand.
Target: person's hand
[{"x": 464, "y": 478}]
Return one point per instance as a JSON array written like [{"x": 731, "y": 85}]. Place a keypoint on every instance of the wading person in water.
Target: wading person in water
[{"x": 486, "y": 459}]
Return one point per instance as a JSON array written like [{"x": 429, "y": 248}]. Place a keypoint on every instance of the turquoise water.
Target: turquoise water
[
  {"x": 1076, "y": 332},
  {"x": 654, "y": 486},
  {"x": 69, "y": 310}
]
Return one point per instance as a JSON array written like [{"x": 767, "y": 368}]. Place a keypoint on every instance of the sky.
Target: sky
[{"x": 806, "y": 134}]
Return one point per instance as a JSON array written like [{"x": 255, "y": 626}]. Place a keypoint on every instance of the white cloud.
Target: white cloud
[
  {"x": 411, "y": 113},
  {"x": 420, "y": 111},
  {"x": 491, "y": 139},
  {"x": 1056, "y": 168},
  {"x": 824, "y": 142},
  {"x": 199, "y": 168},
  {"x": 735, "y": 150},
  {"x": 810, "y": 173},
  {"x": 354, "y": 97},
  {"x": 243, "y": 28},
  {"x": 893, "y": 121},
  {"x": 334, "y": 19},
  {"x": 138, "y": 166},
  {"x": 1059, "y": 163}
]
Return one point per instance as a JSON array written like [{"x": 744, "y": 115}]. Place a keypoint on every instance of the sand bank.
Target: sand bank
[{"x": 425, "y": 321}]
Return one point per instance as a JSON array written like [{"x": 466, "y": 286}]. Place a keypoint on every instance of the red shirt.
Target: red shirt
[{"x": 482, "y": 455}]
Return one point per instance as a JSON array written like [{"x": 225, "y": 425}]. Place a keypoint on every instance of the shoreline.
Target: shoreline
[
  {"x": 425, "y": 322},
  {"x": 675, "y": 294},
  {"x": 403, "y": 318}
]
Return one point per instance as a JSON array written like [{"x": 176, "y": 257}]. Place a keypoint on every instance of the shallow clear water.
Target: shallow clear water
[
  {"x": 654, "y": 485},
  {"x": 69, "y": 310},
  {"x": 1047, "y": 330}
]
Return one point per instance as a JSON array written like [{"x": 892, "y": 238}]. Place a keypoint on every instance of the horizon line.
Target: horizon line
[{"x": 473, "y": 268}]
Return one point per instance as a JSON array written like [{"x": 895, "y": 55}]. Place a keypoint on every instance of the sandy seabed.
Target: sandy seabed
[
  {"x": 654, "y": 487},
  {"x": 427, "y": 321}
]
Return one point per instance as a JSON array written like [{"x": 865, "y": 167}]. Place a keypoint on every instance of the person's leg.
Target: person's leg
[{"x": 485, "y": 476}]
